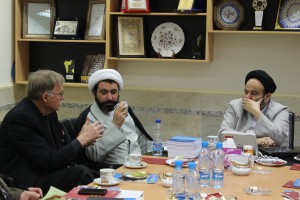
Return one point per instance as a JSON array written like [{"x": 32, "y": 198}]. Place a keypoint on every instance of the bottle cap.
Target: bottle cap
[
  {"x": 192, "y": 165},
  {"x": 204, "y": 143},
  {"x": 178, "y": 163},
  {"x": 157, "y": 121},
  {"x": 219, "y": 145}
]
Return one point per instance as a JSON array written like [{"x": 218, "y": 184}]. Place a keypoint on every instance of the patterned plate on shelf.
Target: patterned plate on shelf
[
  {"x": 289, "y": 14},
  {"x": 167, "y": 37}
]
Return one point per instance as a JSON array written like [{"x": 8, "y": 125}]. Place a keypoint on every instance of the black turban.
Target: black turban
[{"x": 264, "y": 78}]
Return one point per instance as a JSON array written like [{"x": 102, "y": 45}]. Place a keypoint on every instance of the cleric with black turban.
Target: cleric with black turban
[
  {"x": 255, "y": 112},
  {"x": 264, "y": 78}
]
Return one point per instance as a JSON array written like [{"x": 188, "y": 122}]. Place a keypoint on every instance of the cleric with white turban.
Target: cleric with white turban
[
  {"x": 123, "y": 132},
  {"x": 105, "y": 74}
]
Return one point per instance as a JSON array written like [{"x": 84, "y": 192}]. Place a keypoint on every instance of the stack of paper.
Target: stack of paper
[
  {"x": 185, "y": 146},
  {"x": 131, "y": 195}
]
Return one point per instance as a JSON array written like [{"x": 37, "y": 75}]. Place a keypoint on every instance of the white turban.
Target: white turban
[{"x": 104, "y": 74}]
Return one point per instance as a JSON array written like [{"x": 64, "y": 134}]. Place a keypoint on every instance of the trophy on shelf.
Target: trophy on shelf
[
  {"x": 70, "y": 70},
  {"x": 259, "y": 6},
  {"x": 197, "y": 49}
]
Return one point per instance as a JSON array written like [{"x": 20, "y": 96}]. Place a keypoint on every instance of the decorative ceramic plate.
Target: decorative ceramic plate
[
  {"x": 167, "y": 37},
  {"x": 115, "y": 182},
  {"x": 184, "y": 162},
  {"x": 142, "y": 165},
  {"x": 289, "y": 16},
  {"x": 270, "y": 161},
  {"x": 136, "y": 175}
]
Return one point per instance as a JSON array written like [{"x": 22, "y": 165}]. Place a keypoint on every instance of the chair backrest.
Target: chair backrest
[
  {"x": 291, "y": 129},
  {"x": 68, "y": 128}
]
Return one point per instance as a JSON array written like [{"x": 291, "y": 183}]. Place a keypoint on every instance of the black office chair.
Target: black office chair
[
  {"x": 291, "y": 129},
  {"x": 67, "y": 126},
  {"x": 8, "y": 180}
]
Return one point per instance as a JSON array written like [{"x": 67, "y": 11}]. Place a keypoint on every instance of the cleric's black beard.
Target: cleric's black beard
[{"x": 106, "y": 108}]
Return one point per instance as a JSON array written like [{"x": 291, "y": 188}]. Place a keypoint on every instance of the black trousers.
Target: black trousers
[{"x": 66, "y": 179}]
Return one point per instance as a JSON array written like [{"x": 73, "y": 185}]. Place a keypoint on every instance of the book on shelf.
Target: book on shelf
[{"x": 92, "y": 63}]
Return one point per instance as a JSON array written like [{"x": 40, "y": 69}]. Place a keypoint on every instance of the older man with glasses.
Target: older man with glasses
[
  {"x": 256, "y": 111},
  {"x": 32, "y": 148}
]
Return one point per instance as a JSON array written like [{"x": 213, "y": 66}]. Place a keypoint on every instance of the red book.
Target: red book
[
  {"x": 153, "y": 160},
  {"x": 73, "y": 194},
  {"x": 289, "y": 184},
  {"x": 295, "y": 167},
  {"x": 292, "y": 195}
]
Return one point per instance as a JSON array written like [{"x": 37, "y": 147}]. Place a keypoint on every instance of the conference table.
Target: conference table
[{"x": 233, "y": 185}]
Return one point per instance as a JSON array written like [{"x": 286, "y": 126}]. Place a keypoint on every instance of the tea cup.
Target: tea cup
[
  {"x": 107, "y": 175},
  {"x": 133, "y": 160}
]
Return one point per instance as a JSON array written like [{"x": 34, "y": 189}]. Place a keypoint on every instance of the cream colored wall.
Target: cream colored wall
[
  {"x": 234, "y": 56},
  {"x": 6, "y": 41}
]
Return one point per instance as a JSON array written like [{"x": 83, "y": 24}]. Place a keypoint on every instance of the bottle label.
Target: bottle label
[
  {"x": 204, "y": 176},
  {"x": 218, "y": 176},
  {"x": 157, "y": 146}
]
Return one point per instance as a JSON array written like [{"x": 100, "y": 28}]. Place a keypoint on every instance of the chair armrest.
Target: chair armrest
[{"x": 8, "y": 180}]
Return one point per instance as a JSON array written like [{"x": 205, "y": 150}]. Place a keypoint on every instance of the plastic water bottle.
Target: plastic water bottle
[
  {"x": 204, "y": 165},
  {"x": 192, "y": 182},
  {"x": 218, "y": 167},
  {"x": 178, "y": 181},
  {"x": 157, "y": 147}
]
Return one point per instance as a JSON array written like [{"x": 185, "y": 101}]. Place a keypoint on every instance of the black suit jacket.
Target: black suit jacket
[{"x": 27, "y": 149}]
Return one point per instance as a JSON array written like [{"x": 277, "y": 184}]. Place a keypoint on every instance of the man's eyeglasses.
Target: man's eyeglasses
[{"x": 61, "y": 94}]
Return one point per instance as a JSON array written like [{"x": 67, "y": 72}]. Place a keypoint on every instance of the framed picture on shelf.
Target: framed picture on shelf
[
  {"x": 38, "y": 18},
  {"x": 95, "y": 25},
  {"x": 66, "y": 29},
  {"x": 184, "y": 5},
  {"x": 288, "y": 17},
  {"x": 131, "y": 37},
  {"x": 92, "y": 64},
  {"x": 135, "y": 6}
]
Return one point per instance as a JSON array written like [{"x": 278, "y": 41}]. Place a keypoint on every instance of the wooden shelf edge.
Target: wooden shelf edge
[
  {"x": 62, "y": 41},
  {"x": 77, "y": 85},
  {"x": 21, "y": 82},
  {"x": 66, "y": 84},
  {"x": 159, "y": 14},
  {"x": 157, "y": 59},
  {"x": 255, "y": 32}
]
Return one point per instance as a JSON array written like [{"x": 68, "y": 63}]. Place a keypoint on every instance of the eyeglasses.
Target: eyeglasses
[{"x": 61, "y": 94}]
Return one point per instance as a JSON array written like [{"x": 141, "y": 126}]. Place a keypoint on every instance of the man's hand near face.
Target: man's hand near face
[
  {"x": 253, "y": 107},
  {"x": 120, "y": 114}
]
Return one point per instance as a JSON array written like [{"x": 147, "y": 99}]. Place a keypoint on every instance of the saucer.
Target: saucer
[
  {"x": 142, "y": 165},
  {"x": 136, "y": 175},
  {"x": 297, "y": 158},
  {"x": 184, "y": 161},
  {"x": 115, "y": 182}
]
